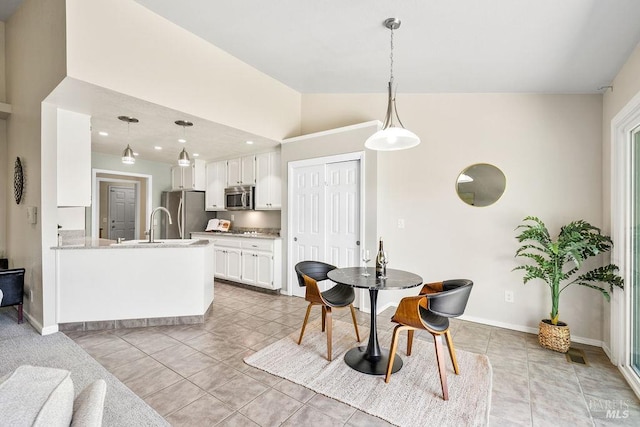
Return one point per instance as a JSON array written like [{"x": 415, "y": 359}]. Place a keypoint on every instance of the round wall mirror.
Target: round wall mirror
[{"x": 480, "y": 185}]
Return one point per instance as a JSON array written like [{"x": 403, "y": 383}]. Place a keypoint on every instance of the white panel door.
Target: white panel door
[
  {"x": 343, "y": 219},
  {"x": 248, "y": 170},
  {"x": 264, "y": 270},
  {"x": 233, "y": 172},
  {"x": 216, "y": 177},
  {"x": 220, "y": 263},
  {"x": 308, "y": 210},
  {"x": 234, "y": 264},
  {"x": 326, "y": 219},
  {"x": 249, "y": 267}
]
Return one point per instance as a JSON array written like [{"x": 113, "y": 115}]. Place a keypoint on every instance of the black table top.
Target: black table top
[{"x": 396, "y": 279}]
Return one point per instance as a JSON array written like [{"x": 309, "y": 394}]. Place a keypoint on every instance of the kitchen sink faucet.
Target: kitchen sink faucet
[{"x": 151, "y": 228}]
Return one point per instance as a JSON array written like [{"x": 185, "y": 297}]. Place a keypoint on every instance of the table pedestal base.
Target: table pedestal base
[{"x": 358, "y": 359}]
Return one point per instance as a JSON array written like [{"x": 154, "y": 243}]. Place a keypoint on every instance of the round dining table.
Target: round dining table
[{"x": 372, "y": 359}]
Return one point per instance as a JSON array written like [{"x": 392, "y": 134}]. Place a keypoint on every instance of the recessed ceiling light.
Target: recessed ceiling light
[
  {"x": 182, "y": 140},
  {"x": 103, "y": 133},
  {"x": 249, "y": 142},
  {"x": 158, "y": 147},
  {"x": 135, "y": 154},
  {"x": 196, "y": 155}
]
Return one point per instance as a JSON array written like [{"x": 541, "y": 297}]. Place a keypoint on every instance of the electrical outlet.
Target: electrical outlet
[
  {"x": 401, "y": 223},
  {"x": 233, "y": 217},
  {"x": 508, "y": 296}
]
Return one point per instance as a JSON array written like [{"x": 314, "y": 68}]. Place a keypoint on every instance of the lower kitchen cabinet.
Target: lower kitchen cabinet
[
  {"x": 257, "y": 268},
  {"x": 228, "y": 263},
  {"x": 253, "y": 261}
]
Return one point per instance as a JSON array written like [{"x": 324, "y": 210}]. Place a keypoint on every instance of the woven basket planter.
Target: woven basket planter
[{"x": 554, "y": 337}]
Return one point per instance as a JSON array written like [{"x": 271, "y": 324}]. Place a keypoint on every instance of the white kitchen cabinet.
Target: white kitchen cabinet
[
  {"x": 216, "y": 176},
  {"x": 254, "y": 261},
  {"x": 241, "y": 171},
  {"x": 228, "y": 260},
  {"x": 259, "y": 257},
  {"x": 73, "y": 158},
  {"x": 192, "y": 177},
  {"x": 249, "y": 268},
  {"x": 268, "y": 182}
]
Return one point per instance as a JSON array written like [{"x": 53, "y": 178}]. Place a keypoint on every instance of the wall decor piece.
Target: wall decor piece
[
  {"x": 18, "y": 180},
  {"x": 480, "y": 185}
]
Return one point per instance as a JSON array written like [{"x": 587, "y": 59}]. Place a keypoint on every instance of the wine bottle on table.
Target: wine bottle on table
[{"x": 380, "y": 261}]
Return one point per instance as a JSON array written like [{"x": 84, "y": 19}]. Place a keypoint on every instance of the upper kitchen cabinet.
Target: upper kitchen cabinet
[
  {"x": 216, "y": 183},
  {"x": 241, "y": 171},
  {"x": 189, "y": 178},
  {"x": 73, "y": 158},
  {"x": 268, "y": 181}
]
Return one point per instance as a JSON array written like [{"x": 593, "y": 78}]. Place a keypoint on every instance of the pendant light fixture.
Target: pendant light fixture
[
  {"x": 127, "y": 155},
  {"x": 392, "y": 136},
  {"x": 183, "y": 157}
]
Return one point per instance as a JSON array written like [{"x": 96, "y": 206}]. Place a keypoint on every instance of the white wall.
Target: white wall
[
  {"x": 35, "y": 64},
  {"x": 549, "y": 148},
  {"x": 122, "y": 46}
]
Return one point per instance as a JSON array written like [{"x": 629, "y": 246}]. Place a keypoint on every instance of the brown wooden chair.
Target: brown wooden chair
[
  {"x": 309, "y": 274},
  {"x": 431, "y": 312}
]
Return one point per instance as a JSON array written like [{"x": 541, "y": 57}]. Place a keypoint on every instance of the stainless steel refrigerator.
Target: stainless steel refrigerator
[{"x": 187, "y": 213}]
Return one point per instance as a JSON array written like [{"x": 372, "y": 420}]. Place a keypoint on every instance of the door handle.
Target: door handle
[{"x": 295, "y": 239}]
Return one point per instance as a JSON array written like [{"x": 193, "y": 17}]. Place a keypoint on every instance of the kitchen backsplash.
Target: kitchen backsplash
[
  {"x": 252, "y": 220},
  {"x": 274, "y": 231},
  {"x": 70, "y": 237}
]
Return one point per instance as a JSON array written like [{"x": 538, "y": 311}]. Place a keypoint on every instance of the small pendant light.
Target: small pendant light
[
  {"x": 392, "y": 137},
  {"x": 183, "y": 157},
  {"x": 127, "y": 155}
]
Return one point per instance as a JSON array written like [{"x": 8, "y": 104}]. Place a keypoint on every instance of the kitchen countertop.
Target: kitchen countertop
[
  {"x": 92, "y": 243},
  {"x": 214, "y": 234}
]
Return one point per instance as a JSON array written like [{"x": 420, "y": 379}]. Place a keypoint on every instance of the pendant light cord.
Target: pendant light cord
[{"x": 391, "y": 58}]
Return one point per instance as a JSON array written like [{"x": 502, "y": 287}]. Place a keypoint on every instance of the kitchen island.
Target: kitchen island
[{"x": 101, "y": 284}]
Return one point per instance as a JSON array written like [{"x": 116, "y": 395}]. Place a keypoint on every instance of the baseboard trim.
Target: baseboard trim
[
  {"x": 528, "y": 329},
  {"x": 38, "y": 326},
  {"x": 607, "y": 351},
  {"x": 379, "y": 309}
]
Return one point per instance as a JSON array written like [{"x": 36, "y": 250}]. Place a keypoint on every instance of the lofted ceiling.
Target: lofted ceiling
[{"x": 337, "y": 46}]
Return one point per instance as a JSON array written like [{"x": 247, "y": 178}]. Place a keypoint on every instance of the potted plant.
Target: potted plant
[{"x": 556, "y": 262}]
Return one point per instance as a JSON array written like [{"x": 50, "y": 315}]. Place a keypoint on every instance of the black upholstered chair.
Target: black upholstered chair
[
  {"x": 431, "y": 311},
  {"x": 12, "y": 287},
  {"x": 309, "y": 274}
]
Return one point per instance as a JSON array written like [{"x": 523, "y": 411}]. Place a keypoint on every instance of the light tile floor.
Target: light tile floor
[{"x": 195, "y": 375}]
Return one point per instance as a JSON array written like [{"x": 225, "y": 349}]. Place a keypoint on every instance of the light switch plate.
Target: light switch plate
[{"x": 32, "y": 214}]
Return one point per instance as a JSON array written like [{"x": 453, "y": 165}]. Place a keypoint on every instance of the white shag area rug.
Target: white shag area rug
[{"x": 413, "y": 397}]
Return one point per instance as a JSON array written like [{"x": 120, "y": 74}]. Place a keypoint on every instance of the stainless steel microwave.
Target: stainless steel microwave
[{"x": 239, "y": 198}]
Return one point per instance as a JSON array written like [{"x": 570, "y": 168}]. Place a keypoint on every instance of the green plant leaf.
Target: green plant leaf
[{"x": 576, "y": 242}]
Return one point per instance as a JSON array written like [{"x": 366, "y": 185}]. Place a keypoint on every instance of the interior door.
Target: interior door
[
  {"x": 343, "y": 214},
  {"x": 308, "y": 212},
  {"x": 326, "y": 216},
  {"x": 122, "y": 212}
]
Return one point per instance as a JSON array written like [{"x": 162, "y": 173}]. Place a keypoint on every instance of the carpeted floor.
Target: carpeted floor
[
  {"x": 22, "y": 345},
  {"x": 413, "y": 397}
]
